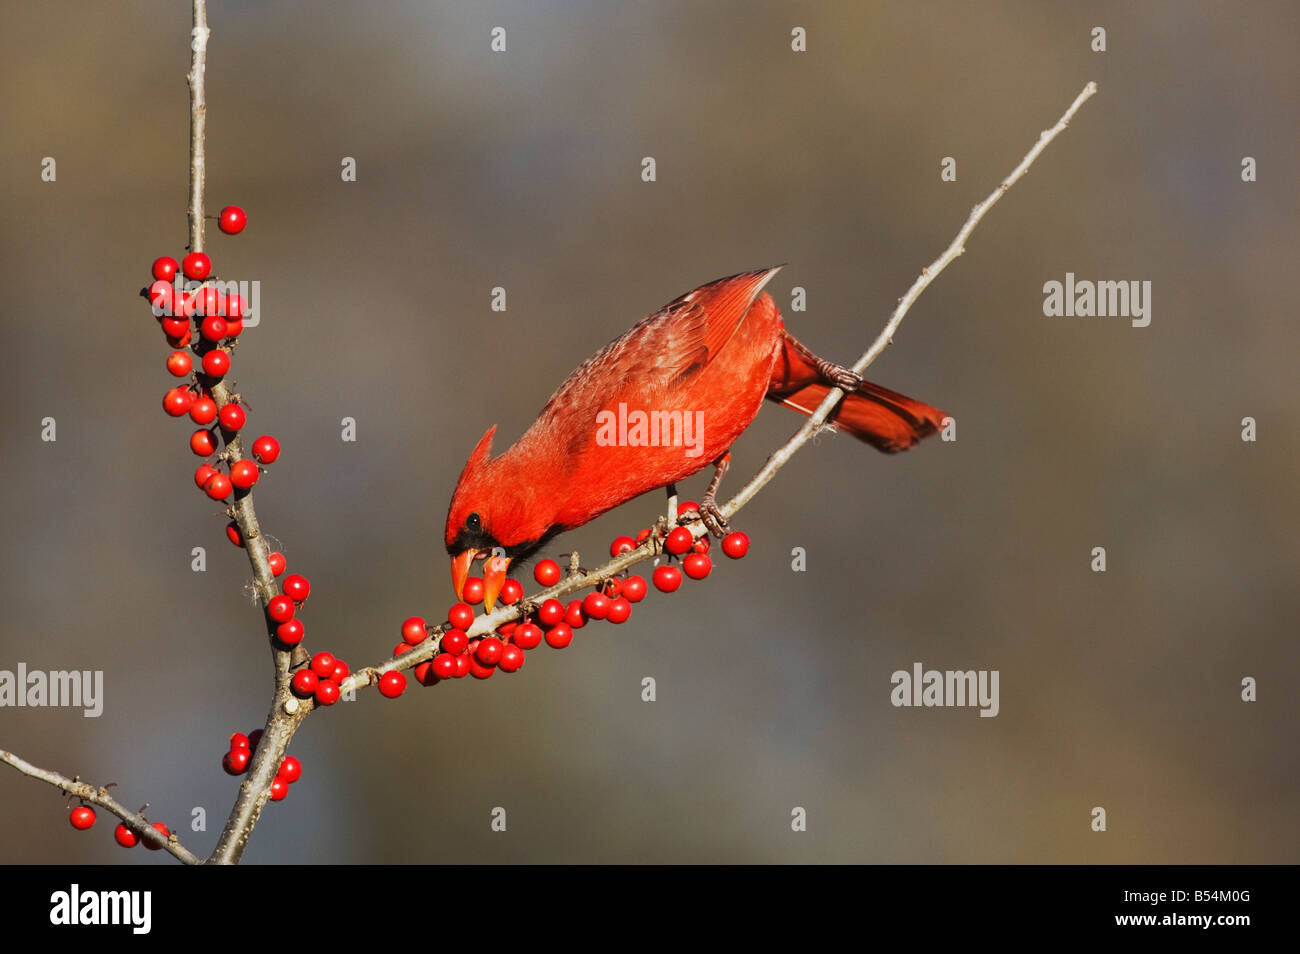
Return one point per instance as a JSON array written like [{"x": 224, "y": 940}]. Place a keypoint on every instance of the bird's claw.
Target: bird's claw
[
  {"x": 845, "y": 379},
  {"x": 712, "y": 517}
]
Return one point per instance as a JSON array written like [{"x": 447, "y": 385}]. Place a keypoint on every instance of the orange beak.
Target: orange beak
[
  {"x": 460, "y": 565},
  {"x": 494, "y": 578}
]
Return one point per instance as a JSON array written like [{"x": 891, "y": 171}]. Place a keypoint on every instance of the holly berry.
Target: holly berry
[
  {"x": 279, "y": 789},
  {"x": 463, "y": 665},
  {"x": 619, "y": 610},
  {"x": 425, "y": 675},
  {"x": 512, "y": 657},
  {"x": 322, "y": 664},
  {"x": 461, "y": 616},
  {"x": 213, "y": 328},
  {"x": 413, "y": 630},
  {"x": 203, "y": 410},
  {"x": 187, "y": 306},
  {"x": 634, "y": 589},
  {"x": 505, "y": 629},
  {"x": 290, "y": 769},
  {"x": 621, "y": 545},
  {"x": 643, "y": 534},
  {"x": 559, "y": 635},
  {"x": 165, "y": 268},
  {"x": 82, "y": 817},
  {"x": 125, "y": 836},
  {"x": 235, "y": 311},
  {"x": 701, "y": 545},
  {"x": 235, "y": 762},
  {"x": 203, "y": 475},
  {"x": 162, "y": 298},
  {"x": 218, "y": 487},
  {"x": 211, "y": 302},
  {"x": 244, "y": 473},
  {"x": 512, "y": 591},
  {"x": 278, "y": 563},
  {"x": 179, "y": 364},
  {"x": 547, "y": 573},
  {"x": 280, "y": 608},
  {"x": 162, "y": 830},
  {"x": 266, "y": 449},
  {"x": 679, "y": 541},
  {"x": 233, "y": 535},
  {"x": 697, "y": 565},
  {"x": 202, "y": 443},
  {"x": 239, "y": 741},
  {"x": 234, "y": 326},
  {"x": 341, "y": 671},
  {"x": 688, "y": 506},
  {"x": 232, "y": 417},
  {"x": 216, "y": 363},
  {"x": 296, "y": 587},
  {"x": 612, "y": 587},
  {"x": 475, "y": 590},
  {"x": 197, "y": 266},
  {"x": 290, "y": 632},
  {"x": 175, "y": 329},
  {"x": 596, "y": 605},
  {"x": 477, "y": 669},
  {"x": 666, "y": 578},
  {"x": 527, "y": 636},
  {"x": 305, "y": 683},
  {"x": 454, "y": 641},
  {"x": 392, "y": 684},
  {"x": 444, "y": 665},
  {"x": 327, "y": 692},
  {"x": 232, "y": 220},
  {"x": 489, "y": 651},
  {"x": 573, "y": 614},
  {"x": 178, "y": 401},
  {"x": 735, "y": 545},
  {"x": 401, "y": 648},
  {"x": 550, "y": 612}
]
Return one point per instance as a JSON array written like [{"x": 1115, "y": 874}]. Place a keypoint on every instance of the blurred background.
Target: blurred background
[{"x": 522, "y": 170}]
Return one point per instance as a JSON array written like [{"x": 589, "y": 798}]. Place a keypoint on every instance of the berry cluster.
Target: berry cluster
[
  {"x": 242, "y": 747},
  {"x": 82, "y": 818},
  {"x": 320, "y": 679}
]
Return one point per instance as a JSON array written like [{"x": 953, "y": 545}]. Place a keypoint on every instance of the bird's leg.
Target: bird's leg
[
  {"x": 709, "y": 511},
  {"x": 846, "y": 379},
  {"x": 672, "y": 504}
]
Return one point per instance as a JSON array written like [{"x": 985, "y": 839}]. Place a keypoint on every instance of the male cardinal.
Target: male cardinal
[{"x": 720, "y": 350}]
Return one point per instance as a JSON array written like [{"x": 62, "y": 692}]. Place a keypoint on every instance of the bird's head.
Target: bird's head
[{"x": 493, "y": 517}]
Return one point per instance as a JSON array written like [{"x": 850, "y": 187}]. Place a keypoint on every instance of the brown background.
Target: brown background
[{"x": 522, "y": 170}]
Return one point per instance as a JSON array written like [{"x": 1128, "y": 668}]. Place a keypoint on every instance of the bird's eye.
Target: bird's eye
[{"x": 474, "y": 522}]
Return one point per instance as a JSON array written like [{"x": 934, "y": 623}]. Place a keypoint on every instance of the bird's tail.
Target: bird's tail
[{"x": 885, "y": 419}]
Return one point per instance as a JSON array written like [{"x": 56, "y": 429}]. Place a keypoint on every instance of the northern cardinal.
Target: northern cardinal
[{"x": 710, "y": 358}]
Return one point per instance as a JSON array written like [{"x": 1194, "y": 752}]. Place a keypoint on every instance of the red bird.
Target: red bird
[{"x": 649, "y": 409}]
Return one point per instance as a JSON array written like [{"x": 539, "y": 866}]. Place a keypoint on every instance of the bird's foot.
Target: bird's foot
[
  {"x": 712, "y": 516},
  {"x": 845, "y": 379}
]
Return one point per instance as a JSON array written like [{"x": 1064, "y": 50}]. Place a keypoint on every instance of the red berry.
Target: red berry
[
  {"x": 551, "y": 612},
  {"x": 596, "y": 605},
  {"x": 232, "y": 220},
  {"x": 165, "y": 268},
  {"x": 290, "y": 769},
  {"x": 239, "y": 741},
  {"x": 197, "y": 266},
  {"x": 176, "y": 329},
  {"x": 216, "y": 363},
  {"x": 266, "y": 449},
  {"x": 643, "y": 534},
  {"x": 278, "y": 563},
  {"x": 162, "y": 298},
  {"x": 187, "y": 306},
  {"x": 697, "y": 565},
  {"x": 213, "y": 328},
  {"x": 234, "y": 326},
  {"x": 243, "y": 473},
  {"x": 613, "y": 587},
  {"x": 392, "y": 684},
  {"x": 232, "y": 534},
  {"x": 621, "y": 545},
  {"x": 475, "y": 590},
  {"x": 444, "y": 665},
  {"x": 211, "y": 302},
  {"x": 279, "y": 789},
  {"x": 477, "y": 669},
  {"x": 527, "y": 636},
  {"x": 202, "y": 443},
  {"x": 735, "y": 545},
  {"x": 573, "y": 614},
  {"x": 327, "y": 692},
  {"x": 178, "y": 401},
  {"x": 413, "y": 630},
  {"x": 425, "y": 675},
  {"x": 203, "y": 475},
  {"x": 254, "y": 737},
  {"x": 280, "y": 608},
  {"x": 688, "y": 506},
  {"x": 559, "y": 635},
  {"x": 305, "y": 682},
  {"x": 454, "y": 641},
  {"x": 218, "y": 487},
  {"x": 511, "y": 592},
  {"x": 82, "y": 817},
  {"x": 547, "y": 573},
  {"x": 203, "y": 410},
  {"x": 701, "y": 545},
  {"x": 512, "y": 657},
  {"x": 322, "y": 664},
  {"x": 634, "y": 589},
  {"x": 125, "y": 836},
  {"x": 679, "y": 541},
  {"x": 463, "y": 665},
  {"x": 162, "y": 830},
  {"x": 505, "y": 629},
  {"x": 667, "y": 578},
  {"x": 461, "y": 616},
  {"x": 179, "y": 364},
  {"x": 235, "y": 311},
  {"x": 232, "y": 417},
  {"x": 402, "y": 648},
  {"x": 180, "y": 341},
  {"x": 296, "y": 587},
  {"x": 235, "y": 762},
  {"x": 619, "y": 610},
  {"x": 290, "y": 632},
  {"x": 489, "y": 651},
  {"x": 341, "y": 671}
]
